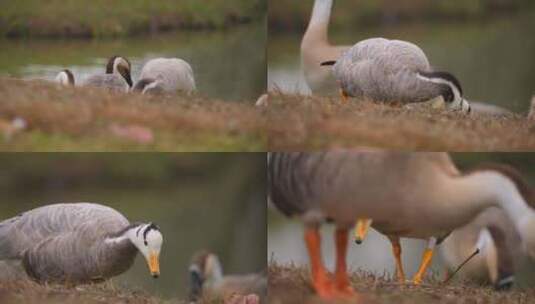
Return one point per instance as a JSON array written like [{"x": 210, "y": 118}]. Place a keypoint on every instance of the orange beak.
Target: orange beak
[
  {"x": 154, "y": 264},
  {"x": 361, "y": 229}
]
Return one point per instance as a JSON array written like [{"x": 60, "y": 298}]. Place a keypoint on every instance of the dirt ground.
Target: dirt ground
[
  {"x": 43, "y": 116},
  {"x": 291, "y": 284},
  {"x": 296, "y": 122}
]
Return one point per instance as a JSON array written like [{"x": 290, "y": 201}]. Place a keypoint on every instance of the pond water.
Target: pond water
[
  {"x": 228, "y": 65},
  {"x": 494, "y": 60},
  {"x": 201, "y": 205}
]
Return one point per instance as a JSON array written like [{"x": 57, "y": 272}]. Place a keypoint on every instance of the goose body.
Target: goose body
[
  {"x": 166, "y": 75},
  {"x": 417, "y": 195},
  {"x": 208, "y": 281},
  {"x": 76, "y": 243},
  {"x": 395, "y": 71},
  {"x": 117, "y": 77}
]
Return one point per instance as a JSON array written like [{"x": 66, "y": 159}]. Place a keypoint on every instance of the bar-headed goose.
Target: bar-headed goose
[
  {"x": 166, "y": 75},
  {"x": 316, "y": 48},
  {"x": 417, "y": 195},
  {"x": 494, "y": 235},
  {"x": 394, "y": 71},
  {"x": 78, "y": 243},
  {"x": 116, "y": 78},
  {"x": 65, "y": 77},
  {"x": 208, "y": 282}
]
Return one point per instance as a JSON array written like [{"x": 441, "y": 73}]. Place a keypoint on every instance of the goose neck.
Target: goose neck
[{"x": 317, "y": 30}]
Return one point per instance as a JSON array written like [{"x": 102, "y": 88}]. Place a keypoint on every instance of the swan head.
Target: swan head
[
  {"x": 147, "y": 86},
  {"x": 205, "y": 269},
  {"x": 452, "y": 91},
  {"x": 120, "y": 65},
  {"x": 65, "y": 77},
  {"x": 148, "y": 239}
]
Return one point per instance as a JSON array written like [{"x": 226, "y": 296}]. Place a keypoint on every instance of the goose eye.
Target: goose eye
[{"x": 146, "y": 244}]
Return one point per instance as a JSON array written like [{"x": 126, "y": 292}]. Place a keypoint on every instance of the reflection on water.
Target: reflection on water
[
  {"x": 227, "y": 65},
  {"x": 203, "y": 201},
  {"x": 493, "y": 60}
]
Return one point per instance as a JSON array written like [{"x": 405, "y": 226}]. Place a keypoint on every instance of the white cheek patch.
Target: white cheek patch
[
  {"x": 120, "y": 61},
  {"x": 458, "y": 103}
]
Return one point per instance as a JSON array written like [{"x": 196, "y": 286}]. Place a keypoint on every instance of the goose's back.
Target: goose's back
[
  {"x": 385, "y": 70},
  {"x": 87, "y": 221},
  {"x": 111, "y": 82},
  {"x": 173, "y": 73}
]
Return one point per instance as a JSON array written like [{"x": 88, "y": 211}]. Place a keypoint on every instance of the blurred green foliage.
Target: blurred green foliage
[
  {"x": 114, "y": 18},
  {"x": 294, "y": 15}
]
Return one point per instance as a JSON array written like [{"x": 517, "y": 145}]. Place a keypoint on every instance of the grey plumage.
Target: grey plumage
[
  {"x": 117, "y": 77},
  {"x": 166, "y": 75},
  {"x": 66, "y": 242},
  {"x": 387, "y": 70}
]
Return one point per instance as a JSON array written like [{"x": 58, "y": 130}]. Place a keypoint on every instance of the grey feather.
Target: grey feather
[
  {"x": 169, "y": 75},
  {"x": 65, "y": 242},
  {"x": 385, "y": 70}
]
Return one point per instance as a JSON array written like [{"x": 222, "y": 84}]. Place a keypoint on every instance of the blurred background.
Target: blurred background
[
  {"x": 487, "y": 44},
  {"x": 286, "y": 244},
  {"x": 223, "y": 40},
  {"x": 212, "y": 201}
]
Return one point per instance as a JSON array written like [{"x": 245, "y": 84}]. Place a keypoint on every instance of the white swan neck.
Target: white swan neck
[{"x": 318, "y": 26}]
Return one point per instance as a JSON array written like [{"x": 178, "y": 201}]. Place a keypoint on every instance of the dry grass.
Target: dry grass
[
  {"x": 25, "y": 291},
  {"x": 290, "y": 284},
  {"x": 305, "y": 123},
  {"x": 86, "y": 119}
]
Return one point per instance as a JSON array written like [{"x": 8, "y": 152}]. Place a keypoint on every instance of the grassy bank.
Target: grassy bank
[
  {"x": 119, "y": 18},
  {"x": 304, "y": 122},
  {"x": 25, "y": 291},
  {"x": 293, "y": 15},
  {"x": 86, "y": 119},
  {"x": 291, "y": 284}
]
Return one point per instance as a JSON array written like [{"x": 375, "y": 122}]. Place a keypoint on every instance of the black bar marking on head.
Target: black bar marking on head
[
  {"x": 330, "y": 62},
  {"x": 444, "y": 75},
  {"x": 150, "y": 227}
]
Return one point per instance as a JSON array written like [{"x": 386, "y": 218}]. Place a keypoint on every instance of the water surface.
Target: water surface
[{"x": 227, "y": 65}]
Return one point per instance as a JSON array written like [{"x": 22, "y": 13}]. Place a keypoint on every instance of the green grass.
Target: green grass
[
  {"x": 86, "y": 119},
  {"x": 114, "y": 18}
]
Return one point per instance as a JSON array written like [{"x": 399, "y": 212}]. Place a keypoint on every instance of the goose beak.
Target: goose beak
[
  {"x": 361, "y": 229},
  {"x": 154, "y": 264}
]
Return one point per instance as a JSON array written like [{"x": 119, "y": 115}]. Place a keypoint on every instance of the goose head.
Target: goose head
[
  {"x": 147, "y": 86},
  {"x": 120, "y": 66},
  {"x": 205, "y": 269},
  {"x": 518, "y": 199},
  {"x": 65, "y": 77},
  {"x": 148, "y": 239},
  {"x": 452, "y": 92}
]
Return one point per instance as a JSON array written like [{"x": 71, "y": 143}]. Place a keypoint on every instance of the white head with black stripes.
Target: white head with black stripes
[
  {"x": 148, "y": 240},
  {"x": 452, "y": 92}
]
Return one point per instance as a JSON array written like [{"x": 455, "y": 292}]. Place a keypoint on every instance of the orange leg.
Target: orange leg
[
  {"x": 320, "y": 279},
  {"x": 426, "y": 260},
  {"x": 341, "y": 279},
  {"x": 396, "y": 250},
  {"x": 344, "y": 96}
]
